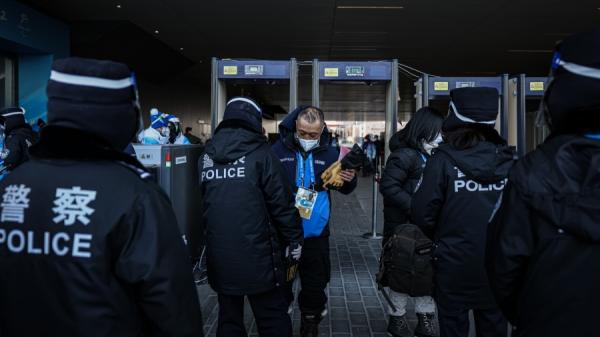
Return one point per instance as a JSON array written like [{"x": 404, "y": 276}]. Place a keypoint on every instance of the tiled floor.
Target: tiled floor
[{"x": 355, "y": 306}]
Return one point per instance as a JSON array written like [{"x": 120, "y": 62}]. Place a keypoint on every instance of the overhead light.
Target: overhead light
[
  {"x": 119, "y": 6},
  {"x": 181, "y": 48},
  {"x": 370, "y": 7},
  {"x": 156, "y": 31},
  {"x": 531, "y": 51}
]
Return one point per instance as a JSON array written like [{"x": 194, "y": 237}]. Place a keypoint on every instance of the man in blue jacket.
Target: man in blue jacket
[{"x": 305, "y": 153}]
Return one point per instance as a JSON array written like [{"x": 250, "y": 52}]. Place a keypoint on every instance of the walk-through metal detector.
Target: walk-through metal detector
[
  {"x": 249, "y": 71},
  {"x": 175, "y": 169},
  {"x": 525, "y": 97},
  {"x": 431, "y": 88},
  {"x": 372, "y": 71}
]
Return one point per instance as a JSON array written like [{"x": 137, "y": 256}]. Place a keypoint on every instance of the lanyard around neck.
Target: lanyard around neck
[{"x": 305, "y": 168}]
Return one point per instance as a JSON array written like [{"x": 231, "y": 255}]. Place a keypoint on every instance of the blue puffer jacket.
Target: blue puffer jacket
[{"x": 324, "y": 156}]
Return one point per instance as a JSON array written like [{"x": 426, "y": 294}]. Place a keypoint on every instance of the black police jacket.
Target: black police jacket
[
  {"x": 544, "y": 242},
  {"x": 248, "y": 212},
  {"x": 453, "y": 205},
  {"x": 400, "y": 180},
  {"x": 17, "y": 143},
  {"x": 90, "y": 247}
]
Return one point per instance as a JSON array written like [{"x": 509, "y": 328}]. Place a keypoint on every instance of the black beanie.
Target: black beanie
[
  {"x": 244, "y": 112},
  {"x": 472, "y": 106},
  {"x": 12, "y": 118},
  {"x": 97, "y": 97},
  {"x": 573, "y": 96}
]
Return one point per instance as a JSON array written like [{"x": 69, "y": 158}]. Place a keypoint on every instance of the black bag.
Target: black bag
[{"x": 406, "y": 262}]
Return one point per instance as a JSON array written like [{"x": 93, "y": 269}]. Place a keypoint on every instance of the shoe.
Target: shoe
[
  {"x": 398, "y": 327},
  {"x": 426, "y": 326},
  {"x": 309, "y": 324}
]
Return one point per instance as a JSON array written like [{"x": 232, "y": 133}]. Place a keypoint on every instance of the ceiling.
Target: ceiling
[{"x": 458, "y": 37}]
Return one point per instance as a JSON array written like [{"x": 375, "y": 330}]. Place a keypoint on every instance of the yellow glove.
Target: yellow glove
[{"x": 331, "y": 176}]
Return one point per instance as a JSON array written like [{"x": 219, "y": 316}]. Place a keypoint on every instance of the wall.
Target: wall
[{"x": 36, "y": 40}]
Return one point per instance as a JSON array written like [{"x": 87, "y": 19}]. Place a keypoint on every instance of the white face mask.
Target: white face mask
[
  {"x": 428, "y": 147},
  {"x": 166, "y": 132},
  {"x": 308, "y": 144}
]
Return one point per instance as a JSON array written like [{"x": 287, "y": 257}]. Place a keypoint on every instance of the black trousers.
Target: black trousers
[
  {"x": 488, "y": 323},
  {"x": 270, "y": 312},
  {"x": 315, "y": 273}
]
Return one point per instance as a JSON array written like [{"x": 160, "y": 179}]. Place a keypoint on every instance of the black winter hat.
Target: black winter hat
[
  {"x": 12, "y": 118},
  {"x": 244, "y": 112},
  {"x": 97, "y": 97},
  {"x": 470, "y": 106},
  {"x": 573, "y": 96}
]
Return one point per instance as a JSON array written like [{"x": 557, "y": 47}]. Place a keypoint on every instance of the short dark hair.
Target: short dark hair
[
  {"x": 425, "y": 125},
  {"x": 189, "y": 128}
]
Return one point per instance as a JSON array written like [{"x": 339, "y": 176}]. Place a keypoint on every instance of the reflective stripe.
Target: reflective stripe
[
  {"x": 242, "y": 99},
  {"x": 467, "y": 119},
  {"x": 13, "y": 113},
  {"x": 580, "y": 70},
  {"x": 593, "y": 136},
  {"x": 89, "y": 81}
]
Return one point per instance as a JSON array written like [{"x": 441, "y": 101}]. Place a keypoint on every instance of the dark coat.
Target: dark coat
[
  {"x": 324, "y": 156},
  {"x": 248, "y": 212},
  {"x": 544, "y": 242},
  {"x": 119, "y": 259},
  {"x": 453, "y": 206},
  {"x": 399, "y": 182},
  {"x": 18, "y": 140}
]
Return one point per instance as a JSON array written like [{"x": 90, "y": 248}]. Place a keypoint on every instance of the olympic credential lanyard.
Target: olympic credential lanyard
[{"x": 306, "y": 197}]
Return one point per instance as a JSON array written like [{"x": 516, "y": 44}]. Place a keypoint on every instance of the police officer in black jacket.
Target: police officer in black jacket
[
  {"x": 544, "y": 242},
  {"x": 89, "y": 245},
  {"x": 18, "y": 137},
  {"x": 461, "y": 185},
  {"x": 250, "y": 219}
]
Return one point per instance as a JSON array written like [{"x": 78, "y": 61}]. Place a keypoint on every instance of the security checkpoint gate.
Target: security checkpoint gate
[
  {"x": 175, "y": 169},
  {"x": 431, "y": 88},
  {"x": 525, "y": 130},
  {"x": 373, "y": 71},
  {"x": 245, "y": 71}
]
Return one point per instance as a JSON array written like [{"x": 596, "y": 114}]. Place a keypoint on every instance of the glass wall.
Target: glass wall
[{"x": 8, "y": 85}]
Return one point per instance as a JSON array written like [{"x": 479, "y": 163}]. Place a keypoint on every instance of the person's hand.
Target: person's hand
[
  {"x": 348, "y": 175},
  {"x": 295, "y": 251}
]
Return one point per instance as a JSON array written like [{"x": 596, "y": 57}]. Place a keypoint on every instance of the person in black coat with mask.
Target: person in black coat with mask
[
  {"x": 411, "y": 148},
  {"x": 544, "y": 242},
  {"x": 250, "y": 219},
  {"x": 18, "y": 137},
  {"x": 461, "y": 185}
]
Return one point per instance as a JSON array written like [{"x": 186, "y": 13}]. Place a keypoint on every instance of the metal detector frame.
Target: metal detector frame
[
  {"x": 369, "y": 71},
  {"x": 523, "y": 88},
  {"x": 224, "y": 70}
]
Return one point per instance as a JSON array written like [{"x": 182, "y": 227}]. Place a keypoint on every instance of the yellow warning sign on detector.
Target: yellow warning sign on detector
[
  {"x": 230, "y": 70},
  {"x": 440, "y": 86},
  {"x": 332, "y": 72},
  {"x": 536, "y": 86}
]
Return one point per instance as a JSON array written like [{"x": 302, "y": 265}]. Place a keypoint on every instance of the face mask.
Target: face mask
[
  {"x": 428, "y": 147},
  {"x": 166, "y": 132},
  {"x": 308, "y": 144}
]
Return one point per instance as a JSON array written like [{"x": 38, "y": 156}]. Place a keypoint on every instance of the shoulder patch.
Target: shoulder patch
[{"x": 143, "y": 174}]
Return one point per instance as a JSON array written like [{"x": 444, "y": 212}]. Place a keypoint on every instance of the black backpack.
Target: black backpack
[{"x": 406, "y": 262}]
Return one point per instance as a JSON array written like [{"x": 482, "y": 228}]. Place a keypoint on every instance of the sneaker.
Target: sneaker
[
  {"x": 426, "y": 326},
  {"x": 398, "y": 327}
]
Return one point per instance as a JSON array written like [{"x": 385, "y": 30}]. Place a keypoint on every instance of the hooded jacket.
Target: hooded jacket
[
  {"x": 544, "y": 241},
  {"x": 324, "y": 156},
  {"x": 402, "y": 174},
  {"x": 453, "y": 206},
  {"x": 19, "y": 137},
  {"x": 248, "y": 210},
  {"x": 97, "y": 242}
]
